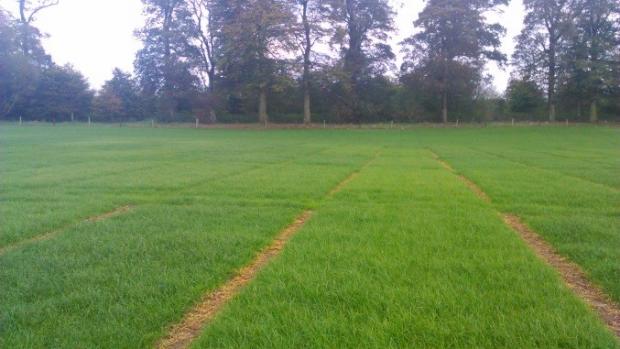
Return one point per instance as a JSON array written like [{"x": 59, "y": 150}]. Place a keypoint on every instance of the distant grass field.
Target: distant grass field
[{"x": 405, "y": 255}]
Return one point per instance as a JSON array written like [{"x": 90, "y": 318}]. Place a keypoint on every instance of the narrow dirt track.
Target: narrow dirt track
[
  {"x": 183, "y": 334},
  {"x": 194, "y": 321},
  {"x": 52, "y": 234},
  {"x": 572, "y": 275}
]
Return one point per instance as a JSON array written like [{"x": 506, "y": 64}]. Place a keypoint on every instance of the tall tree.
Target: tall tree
[
  {"x": 205, "y": 45},
  {"x": 164, "y": 65},
  {"x": 454, "y": 40},
  {"x": 11, "y": 80},
  {"x": 21, "y": 53},
  {"x": 548, "y": 24},
  {"x": 315, "y": 25},
  {"x": 204, "y": 26},
  {"x": 594, "y": 45},
  {"x": 365, "y": 27},
  {"x": 30, "y": 35},
  {"x": 255, "y": 36}
]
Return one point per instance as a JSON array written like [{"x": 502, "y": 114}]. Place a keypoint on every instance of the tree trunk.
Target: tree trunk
[
  {"x": 25, "y": 29},
  {"x": 444, "y": 107},
  {"x": 211, "y": 97},
  {"x": 306, "y": 77},
  {"x": 551, "y": 76},
  {"x": 212, "y": 116},
  {"x": 594, "y": 112},
  {"x": 307, "y": 112},
  {"x": 168, "y": 66},
  {"x": 444, "y": 86},
  {"x": 552, "y": 112},
  {"x": 263, "y": 117}
]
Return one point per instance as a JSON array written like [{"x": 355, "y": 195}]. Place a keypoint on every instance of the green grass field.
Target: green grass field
[{"x": 405, "y": 255}]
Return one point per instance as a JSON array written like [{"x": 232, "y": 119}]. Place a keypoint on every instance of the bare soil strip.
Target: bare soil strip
[
  {"x": 572, "y": 274},
  {"x": 182, "y": 334},
  {"x": 52, "y": 234}
]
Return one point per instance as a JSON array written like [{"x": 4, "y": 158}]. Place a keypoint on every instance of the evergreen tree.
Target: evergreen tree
[
  {"x": 62, "y": 94},
  {"x": 119, "y": 99},
  {"x": 524, "y": 96}
]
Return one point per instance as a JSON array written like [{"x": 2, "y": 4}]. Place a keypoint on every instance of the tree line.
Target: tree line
[{"x": 314, "y": 60}]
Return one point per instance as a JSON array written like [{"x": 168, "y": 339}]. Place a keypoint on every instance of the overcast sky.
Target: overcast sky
[{"x": 96, "y": 36}]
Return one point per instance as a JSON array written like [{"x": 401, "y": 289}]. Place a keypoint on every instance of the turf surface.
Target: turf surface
[{"x": 405, "y": 255}]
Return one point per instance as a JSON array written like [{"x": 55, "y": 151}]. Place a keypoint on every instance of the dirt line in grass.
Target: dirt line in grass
[
  {"x": 352, "y": 176},
  {"x": 473, "y": 186},
  {"x": 182, "y": 334},
  {"x": 572, "y": 274},
  {"x": 54, "y": 233},
  {"x": 194, "y": 321}
]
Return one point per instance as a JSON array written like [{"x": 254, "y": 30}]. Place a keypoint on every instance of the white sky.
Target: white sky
[{"x": 96, "y": 36}]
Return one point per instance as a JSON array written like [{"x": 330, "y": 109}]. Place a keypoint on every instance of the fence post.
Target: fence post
[
  {"x": 513, "y": 121},
  {"x": 152, "y": 123},
  {"x": 20, "y": 120},
  {"x": 457, "y": 122},
  {"x": 197, "y": 122},
  {"x": 89, "y": 121}
]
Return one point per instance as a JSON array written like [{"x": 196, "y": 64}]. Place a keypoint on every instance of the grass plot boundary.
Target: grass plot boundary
[
  {"x": 52, "y": 234},
  {"x": 572, "y": 275},
  {"x": 182, "y": 334}
]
